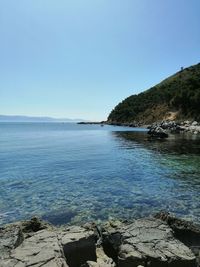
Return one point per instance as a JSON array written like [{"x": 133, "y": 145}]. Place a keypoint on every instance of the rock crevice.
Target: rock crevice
[{"x": 148, "y": 242}]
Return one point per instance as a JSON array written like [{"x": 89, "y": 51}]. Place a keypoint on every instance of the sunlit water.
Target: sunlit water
[{"x": 69, "y": 173}]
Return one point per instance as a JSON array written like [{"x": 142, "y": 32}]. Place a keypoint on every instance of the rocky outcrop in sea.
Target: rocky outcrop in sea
[
  {"x": 154, "y": 242},
  {"x": 164, "y": 128}
]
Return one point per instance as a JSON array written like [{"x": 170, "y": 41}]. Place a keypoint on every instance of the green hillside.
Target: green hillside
[{"x": 177, "y": 97}]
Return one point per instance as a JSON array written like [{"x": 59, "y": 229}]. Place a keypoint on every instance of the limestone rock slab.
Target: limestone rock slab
[
  {"x": 41, "y": 249},
  {"x": 11, "y": 236},
  {"x": 151, "y": 242}
]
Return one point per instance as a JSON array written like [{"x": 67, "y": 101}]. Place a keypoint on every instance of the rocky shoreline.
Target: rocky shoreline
[
  {"x": 162, "y": 240},
  {"x": 164, "y": 128},
  {"x": 124, "y": 124}
]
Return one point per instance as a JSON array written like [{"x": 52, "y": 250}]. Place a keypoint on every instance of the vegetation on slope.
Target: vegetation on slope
[{"x": 179, "y": 94}]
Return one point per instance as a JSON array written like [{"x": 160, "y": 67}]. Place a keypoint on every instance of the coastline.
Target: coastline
[
  {"x": 123, "y": 124},
  {"x": 159, "y": 129},
  {"x": 156, "y": 241},
  {"x": 162, "y": 240}
]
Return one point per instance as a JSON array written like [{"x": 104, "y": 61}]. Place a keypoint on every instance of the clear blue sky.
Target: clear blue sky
[{"x": 79, "y": 58}]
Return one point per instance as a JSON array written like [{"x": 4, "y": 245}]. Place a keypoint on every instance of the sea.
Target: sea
[{"x": 67, "y": 173}]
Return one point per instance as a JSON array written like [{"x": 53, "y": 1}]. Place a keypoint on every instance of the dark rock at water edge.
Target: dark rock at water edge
[
  {"x": 158, "y": 132},
  {"x": 164, "y": 128},
  {"x": 113, "y": 123},
  {"x": 124, "y": 124},
  {"x": 161, "y": 241},
  {"x": 91, "y": 122}
]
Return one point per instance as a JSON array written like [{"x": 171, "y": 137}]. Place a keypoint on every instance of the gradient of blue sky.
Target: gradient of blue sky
[{"x": 79, "y": 58}]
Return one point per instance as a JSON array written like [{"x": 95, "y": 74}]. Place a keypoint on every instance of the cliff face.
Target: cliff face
[{"x": 177, "y": 97}]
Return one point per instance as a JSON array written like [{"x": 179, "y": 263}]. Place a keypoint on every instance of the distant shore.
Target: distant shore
[
  {"x": 123, "y": 124},
  {"x": 159, "y": 129},
  {"x": 92, "y": 122}
]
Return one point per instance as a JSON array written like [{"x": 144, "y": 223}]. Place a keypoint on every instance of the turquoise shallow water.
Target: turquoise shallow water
[{"x": 69, "y": 173}]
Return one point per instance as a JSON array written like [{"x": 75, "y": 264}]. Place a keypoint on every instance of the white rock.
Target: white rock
[{"x": 195, "y": 123}]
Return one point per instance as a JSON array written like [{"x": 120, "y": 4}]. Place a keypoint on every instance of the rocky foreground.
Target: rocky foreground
[{"x": 153, "y": 242}]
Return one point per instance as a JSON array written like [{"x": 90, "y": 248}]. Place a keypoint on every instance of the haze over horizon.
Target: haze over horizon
[
  {"x": 78, "y": 59},
  {"x": 20, "y": 118}
]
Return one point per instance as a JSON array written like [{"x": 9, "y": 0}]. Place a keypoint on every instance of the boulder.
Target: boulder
[
  {"x": 161, "y": 129},
  {"x": 158, "y": 132},
  {"x": 187, "y": 122},
  {"x": 195, "y": 123}
]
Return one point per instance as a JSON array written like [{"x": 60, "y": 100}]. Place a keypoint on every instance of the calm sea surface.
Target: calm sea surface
[{"x": 69, "y": 173}]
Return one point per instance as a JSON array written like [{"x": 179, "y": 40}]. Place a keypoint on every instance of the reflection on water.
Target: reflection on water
[
  {"x": 176, "y": 144},
  {"x": 72, "y": 174},
  {"x": 179, "y": 153}
]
